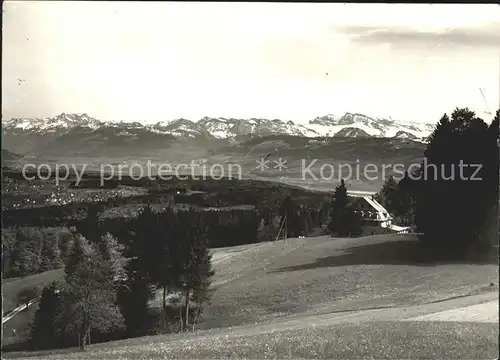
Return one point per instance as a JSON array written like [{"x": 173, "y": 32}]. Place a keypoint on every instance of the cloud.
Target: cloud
[{"x": 487, "y": 36}]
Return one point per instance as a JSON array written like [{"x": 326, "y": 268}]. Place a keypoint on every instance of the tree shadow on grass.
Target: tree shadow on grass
[{"x": 401, "y": 252}]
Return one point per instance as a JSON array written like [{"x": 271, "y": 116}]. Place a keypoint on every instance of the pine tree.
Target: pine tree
[
  {"x": 65, "y": 240},
  {"x": 90, "y": 227},
  {"x": 450, "y": 207},
  {"x": 168, "y": 258},
  {"x": 77, "y": 254},
  {"x": 26, "y": 253},
  {"x": 148, "y": 244},
  {"x": 138, "y": 291},
  {"x": 265, "y": 231},
  {"x": 50, "y": 253},
  {"x": 336, "y": 224},
  {"x": 288, "y": 213},
  {"x": 194, "y": 265},
  {"x": 200, "y": 273},
  {"x": 487, "y": 245},
  {"x": 388, "y": 195},
  {"x": 8, "y": 245},
  {"x": 89, "y": 297},
  {"x": 492, "y": 165},
  {"x": 352, "y": 222},
  {"x": 406, "y": 191},
  {"x": 437, "y": 141},
  {"x": 112, "y": 252},
  {"x": 44, "y": 333},
  {"x": 154, "y": 249},
  {"x": 134, "y": 298},
  {"x": 181, "y": 259}
]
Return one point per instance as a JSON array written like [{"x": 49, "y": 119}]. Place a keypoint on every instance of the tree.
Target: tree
[
  {"x": 112, "y": 252},
  {"x": 388, "y": 195},
  {"x": 26, "y": 253},
  {"x": 450, "y": 205},
  {"x": 90, "y": 227},
  {"x": 161, "y": 238},
  {"x": 338, "y": 211},
  {"x": 487, "y": 245},
  {"x": 44, "y": 332},
  {"x": 195, "y": 267},
  {"x": 352, "y": 221},
  {"x": 406, "y": 191},
  {"x": 147, "y": 244},
  {"x": 80, "y": 248},
  {"x": 266, "y": 230},
  {"x": 439, "y": 139},
  {"x": 398, "y": 199},
  {"x": 50, "y": 253},
  {"x": 156, "y": 257},
  {"x": 8, "y": 246},
  {"x": 65, "y": 241},
  {"x": 134, "y": 296},
  {"x": 202, "y": 274},
  {"x": 288, "y": 212},
  {"x": 89, "y": 297}
]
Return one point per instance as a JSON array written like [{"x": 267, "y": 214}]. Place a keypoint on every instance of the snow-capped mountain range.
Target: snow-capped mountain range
[{"x": 348, "y": 125}]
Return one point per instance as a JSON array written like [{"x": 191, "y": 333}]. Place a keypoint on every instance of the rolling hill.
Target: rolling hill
[
  {"x": 9, "y": 156},
  {"x": 326, "y": 297}
]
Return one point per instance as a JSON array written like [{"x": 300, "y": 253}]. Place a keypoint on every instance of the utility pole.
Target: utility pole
[
  {"x": 282, "y": 222},
  {"x": 286, "y": 226},
  {"x": 283, "y": 226}
]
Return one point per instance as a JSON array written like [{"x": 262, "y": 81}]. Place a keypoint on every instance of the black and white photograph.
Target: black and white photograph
[{"x": 250, "y": 180}]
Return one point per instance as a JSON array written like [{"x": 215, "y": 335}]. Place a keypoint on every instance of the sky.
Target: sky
[{"x": 154, "y": 61}]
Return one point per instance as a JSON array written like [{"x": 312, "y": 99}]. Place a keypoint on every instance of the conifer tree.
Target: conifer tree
[
  {"x": 26, "y": 253},
  {"x": 200, "y": 271},
  {"x": 89, "y": 296},
  {"x": 112, "y": 252},
  {"x": 450, "y": 204},
  {"x": 138, "y": 290},
  {"x": 50, "y": 253},
  {"x": 388, "y": 195},
  {"x": 44, "y": 333},
  {"x": 288, "y": 212},
  {"x": 336, "y": 224},
  {"x": 90, "y": 227}
]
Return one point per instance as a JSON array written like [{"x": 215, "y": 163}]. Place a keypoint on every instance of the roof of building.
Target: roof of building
[
  {"x": 398, "y": 228},
  {"x": 384, "y": 214}
]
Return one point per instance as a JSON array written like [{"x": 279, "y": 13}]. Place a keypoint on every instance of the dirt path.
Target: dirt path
[
  {"x": 480, "y": 304},
  {"x": 485, "y": 313}
]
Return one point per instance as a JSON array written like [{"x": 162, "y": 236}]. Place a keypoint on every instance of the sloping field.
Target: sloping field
[
  {"x": 329, "y": 298},
  {"x": 376, "y": 334},
  {"x": 11, "y": 287},
  {"x": 241, "y": 261},
  {"x": 321, "y": 275}
]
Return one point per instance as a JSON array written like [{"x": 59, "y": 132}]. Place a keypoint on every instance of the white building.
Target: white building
[{"x": 374, "y": 214}]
